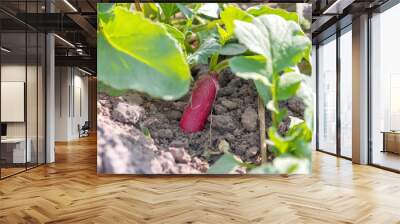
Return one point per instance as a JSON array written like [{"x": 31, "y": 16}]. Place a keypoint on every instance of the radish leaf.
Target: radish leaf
[
  {"x": 225, "y": 164},
  {"x": 141, "y": 55},
  {"x": 264, "y": 10}
]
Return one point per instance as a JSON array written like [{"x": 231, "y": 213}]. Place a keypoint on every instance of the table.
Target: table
[
  {"x": 18, "y": 149},
  {"x": 391, "y": 141}
]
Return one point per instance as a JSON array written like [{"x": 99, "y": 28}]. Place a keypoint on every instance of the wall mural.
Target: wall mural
[{"x": 204, "y": 88}]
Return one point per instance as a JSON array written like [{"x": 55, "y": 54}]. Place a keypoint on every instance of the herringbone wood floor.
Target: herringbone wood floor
[{"x": 70, "y": 191}]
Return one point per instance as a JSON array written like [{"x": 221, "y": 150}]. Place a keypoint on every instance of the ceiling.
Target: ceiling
[
  {"x": 331, "y": 15},
  {"x": 74, "y": 22}
]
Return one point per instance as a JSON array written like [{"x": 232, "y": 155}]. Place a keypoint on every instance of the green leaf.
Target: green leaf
[
  {"x": 232, "y": 13},
  {"x": 288, "y": 42},
  {"x": 263, "y": 10},
  {"x": 146, "y": 131},
  {"x": 306, "y": 93},
  {"x": 205, "y": 51},
  {"x": 271, "y": 107},
  {"x": 209, "y": 31},
  {"x": 223, "y": 35},
  {"x": 295, "y": 121},
  {"x": 151, "y": 10},
  {"x": 254, "y": 39},
  {"x": 101, "y": 87},
  {"x": 250, "y": 67},
  {"x": 279, "y": 142},
  {"x": 135, "y": 53},
  {"x": 105, "y": 7},
  {"x": 265, "y": 169},
  {"x": 185, "y": 10},
  {"x": 264, "y": 92},
  {"x": 281, "y": 41},
  {"x": 169, "y": 9},
  {"x": 124, "y": 5},
  {"x": 296, "y": 141},
  {"x": 105, "y": 11},
  {"x": 210, "y": 10},
  {"x": 289, "y": 84},
  {"x": 225, "y": 164},
  {"x": 281, "y": 114},
  {"x": 285, "y": 165},
  {"x": 233, "y": 49},
  {"x": 291, "y": 165},
  {"x": 177, "y": 34}
]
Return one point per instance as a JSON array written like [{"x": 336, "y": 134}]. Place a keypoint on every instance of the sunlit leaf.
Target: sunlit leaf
[
  {"x": 250, "y": 67},
  {"x": 138, "y": 54},
  {"x": 233, "y": 49},
  {"x": 105, "y": 11},
  {"x": 284, "y": 165},
  {"x": 306, "y": 93},
  {"x": 232, "y": 13},
  {"x": 151, "y": 10},
  {"x": 169, "y": 9},
  {"x": 263, "y": 91},
  {"x": 185, "y": 10},
  {"x": 290, "y": 165},
  {"x": 289, "y": 84},
  {"x": 225, "y": 164},
  {"x": 210, "y": 10},
  {"x": 103, "y": 88},
  {"x": 105, "y": 7},
  {"x": 264, "y": 10},
  {"x": 205, "y": 51},
  {"x": 177, "y": 34},
  {"x": 277, "y": 39},
  {"x": 265, "y": 169},
  {"x": 223, "y": 35}
]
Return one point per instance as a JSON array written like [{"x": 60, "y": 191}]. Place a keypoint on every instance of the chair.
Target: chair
[{"x": 84, "y": 130}]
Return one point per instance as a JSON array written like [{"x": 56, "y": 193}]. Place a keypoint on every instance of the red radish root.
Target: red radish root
[{"x": 196, "y": 113}]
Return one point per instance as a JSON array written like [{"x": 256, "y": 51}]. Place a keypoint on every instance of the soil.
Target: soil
[{"x": 145, "y": 134}]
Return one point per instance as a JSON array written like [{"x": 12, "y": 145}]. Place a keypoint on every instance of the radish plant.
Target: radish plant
[{"x": 151, "y": 48}]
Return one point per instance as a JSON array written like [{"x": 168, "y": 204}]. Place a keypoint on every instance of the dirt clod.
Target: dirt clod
[
  {"x": 249, "y": 119},
  {"x": 180, "y": 155},
  {"x": 127, "y": 113},
  {"x": 223, "y": 122},
  {"x": 123, "y": 149},
  {"x": 229, "y": 104},
  {"x": 133, "y": 98},
  {"x": 232, "y": 126}
]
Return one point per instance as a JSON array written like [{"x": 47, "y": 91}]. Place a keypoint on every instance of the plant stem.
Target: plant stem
[
  {"x": 221, "y": 65},
  {"x": 261, "y": 118},
  {"x": 214, "y": 61},
  {"x": 274, "y": 95}
]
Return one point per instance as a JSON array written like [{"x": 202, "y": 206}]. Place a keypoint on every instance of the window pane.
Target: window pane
[
  {"x": 327, "y": 96},
  {"x": 385, "y": 84},
  {"x": 15, "y": 150},
  {"x": 346, "y": 94}
]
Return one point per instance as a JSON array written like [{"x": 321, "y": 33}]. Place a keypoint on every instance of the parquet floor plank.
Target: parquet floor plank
[{"x": 70, "y": 191}]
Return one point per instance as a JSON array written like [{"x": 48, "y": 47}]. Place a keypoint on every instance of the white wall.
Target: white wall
[
  {"x": 62, "y": 81},
  {"x": 33, "y": 126},
  {"x": 70, "y": 83},
  {"x": 14, "y": 73}
]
